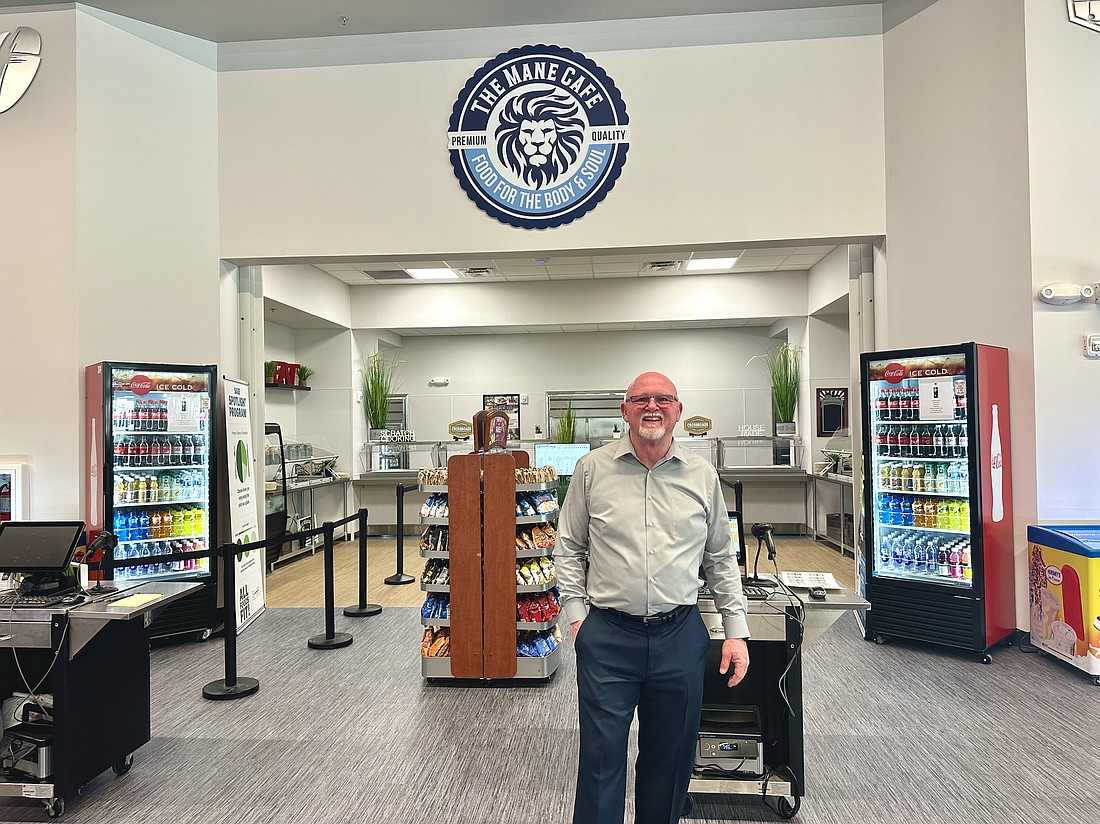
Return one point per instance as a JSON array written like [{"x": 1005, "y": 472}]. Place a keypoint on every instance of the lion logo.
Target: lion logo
[{"x": 540, "y": 136}]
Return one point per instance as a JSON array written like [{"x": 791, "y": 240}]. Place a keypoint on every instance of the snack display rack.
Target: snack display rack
[{"x": 479, "y": 551}]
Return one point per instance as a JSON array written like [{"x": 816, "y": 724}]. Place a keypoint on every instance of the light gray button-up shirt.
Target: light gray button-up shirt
[{"x": 646, "y": 532}]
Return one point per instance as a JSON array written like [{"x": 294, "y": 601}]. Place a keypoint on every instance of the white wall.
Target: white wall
[
  {"x": 350, "y": 160},
  {"x": 309, "y": 289},
  {"x": 1063, "y": 132},
  {"x": 39, "y": 298},
  {"x": 617, "y": 300},
  {"x": 828, "y": 279},
  {"x": 958, "y": 222},
  {"x": 113, "y": 251}
]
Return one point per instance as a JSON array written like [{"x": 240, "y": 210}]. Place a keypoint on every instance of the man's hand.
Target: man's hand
[
  {"x": 734, "y": 651},
  {"x": 576, "y": 626}
]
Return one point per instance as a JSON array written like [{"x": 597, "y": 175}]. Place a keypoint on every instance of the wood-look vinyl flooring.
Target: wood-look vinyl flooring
[{"x": 300, "y": 582}]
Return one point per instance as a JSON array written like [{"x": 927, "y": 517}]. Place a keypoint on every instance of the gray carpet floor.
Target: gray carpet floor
[{"x": 898, "y": 733}]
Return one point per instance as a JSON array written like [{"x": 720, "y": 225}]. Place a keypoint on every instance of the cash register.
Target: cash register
[{"x": 42, "y": 553}]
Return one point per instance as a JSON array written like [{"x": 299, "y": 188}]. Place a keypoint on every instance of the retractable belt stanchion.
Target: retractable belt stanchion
[
  {"x": 400, "y": 577},
  {"x": 231, "y": 686},
  {"x": 331, "y": 639},
  {"x": 362, "y": 609}
]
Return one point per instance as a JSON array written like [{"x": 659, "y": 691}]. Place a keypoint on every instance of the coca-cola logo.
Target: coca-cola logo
[
  {"x": 895, "y": 373},
  {"x": 141, "y": 384}
]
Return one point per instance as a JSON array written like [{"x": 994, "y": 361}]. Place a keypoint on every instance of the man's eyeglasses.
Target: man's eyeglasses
[{"x": 660, "y": 400}]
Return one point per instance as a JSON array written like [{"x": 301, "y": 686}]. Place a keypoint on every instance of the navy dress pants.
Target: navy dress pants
[{"x": 623, "y": 666}]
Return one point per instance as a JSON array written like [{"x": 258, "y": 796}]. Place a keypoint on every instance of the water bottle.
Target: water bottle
[
  {"x": 895, "y": 510},
  {"x": 906, "y": 512},
  {"x": 885, "y": 548}
]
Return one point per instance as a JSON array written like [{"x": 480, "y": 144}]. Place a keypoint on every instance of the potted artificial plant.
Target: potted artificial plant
[
  {"x": 269, "y": 371},
  {"x": 785, "y": 369},
  {"x": 567, "y": 424},
  {"x": 304, "y": 374},
  {"x": 378, "y": 386}
]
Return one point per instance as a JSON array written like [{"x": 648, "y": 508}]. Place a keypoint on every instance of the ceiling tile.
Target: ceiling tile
[
  {"x": 622, "y": 268},
  {"x": 539, "y": 274},
  {"x": 573, "y": 276},
  {"x": 615, "y": 274},
  {"x": 804, "y": 258},
  {"x": 770, "y": 260},
  {"x": 770, "y": 251},
  {"x": 567, "y": 261},
  {"x": 569, "y": 268},
  {"x": 335, "y": 267}
]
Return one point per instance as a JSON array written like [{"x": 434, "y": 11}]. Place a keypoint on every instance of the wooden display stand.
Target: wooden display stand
[{"x": 483, "y": 571}]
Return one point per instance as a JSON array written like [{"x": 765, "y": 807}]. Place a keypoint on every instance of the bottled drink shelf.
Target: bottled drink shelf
[
  {"x": 888, "y": 491},
  {"x": 158, "y": 467},
  {"x": 925, "y": 528},
  {"x": 879, "y": 459},
  {"x": 923, "y": 577},
  {"x": 161, "y": 503}
]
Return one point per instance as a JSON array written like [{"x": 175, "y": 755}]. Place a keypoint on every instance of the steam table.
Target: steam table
[
  {"x": 94, "y": 660},
  {"x": 773, "y": 649}
]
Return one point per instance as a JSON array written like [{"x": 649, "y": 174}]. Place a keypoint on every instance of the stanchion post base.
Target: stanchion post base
[
  {"x": 400, "y": 578},
  {"x": 363, "y": 611},
  {"x": 220, "y": 691},
  {"x": 339, "y": 639}
]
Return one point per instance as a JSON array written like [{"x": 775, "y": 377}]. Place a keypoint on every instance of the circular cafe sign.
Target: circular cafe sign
[{"x": 538, "y": 136}]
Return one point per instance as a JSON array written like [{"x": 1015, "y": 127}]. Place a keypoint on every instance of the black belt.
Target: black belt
[{"x": 657, "y": 620}]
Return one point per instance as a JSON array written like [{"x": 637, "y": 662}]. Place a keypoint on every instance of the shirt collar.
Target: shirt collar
[{"x": 626, "y": 447}]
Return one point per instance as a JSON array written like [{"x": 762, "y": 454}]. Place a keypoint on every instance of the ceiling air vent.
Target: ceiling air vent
[
  {"x": 389, "y": 274},
  {"x": 663, "y": 266},
  {"x": 477, "y": 271}
]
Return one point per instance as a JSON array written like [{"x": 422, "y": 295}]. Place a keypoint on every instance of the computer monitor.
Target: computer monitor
[
  {"x": 562, "y": 456},
  {"x": 737, "y": 533},
  {"x": 31, "y": 547}
]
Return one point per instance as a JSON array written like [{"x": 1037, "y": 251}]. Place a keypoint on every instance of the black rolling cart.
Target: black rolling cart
[
  {"x": 753, "y": 732},
  {"x": 93, "y": 659}
]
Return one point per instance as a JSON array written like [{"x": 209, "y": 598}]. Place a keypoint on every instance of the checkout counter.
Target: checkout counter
[
  {"x": 750, "y": 739},
  {"x": 93, "y": 659}
]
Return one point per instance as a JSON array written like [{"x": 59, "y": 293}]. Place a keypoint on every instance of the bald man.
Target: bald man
[{"x": 645, "y": 514}]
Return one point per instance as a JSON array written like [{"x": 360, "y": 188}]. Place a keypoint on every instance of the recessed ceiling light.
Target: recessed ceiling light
[
  {"x": 696, "y": 264},
  {"x": 433, "y": 274}
]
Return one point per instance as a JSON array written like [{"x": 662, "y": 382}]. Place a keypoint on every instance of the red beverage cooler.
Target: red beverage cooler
[
  {"x": 938, "y": 496},
  {"x": 150, "y": 457}
]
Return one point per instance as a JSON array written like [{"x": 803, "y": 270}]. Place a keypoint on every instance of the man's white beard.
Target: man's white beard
[{"x": 651, "y": 434}]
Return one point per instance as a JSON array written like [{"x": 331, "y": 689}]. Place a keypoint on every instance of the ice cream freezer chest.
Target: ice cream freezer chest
[{"x": 1064, "y": 593}]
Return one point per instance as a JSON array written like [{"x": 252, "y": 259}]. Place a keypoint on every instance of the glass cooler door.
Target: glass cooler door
[{"x": 920, "y": 467}]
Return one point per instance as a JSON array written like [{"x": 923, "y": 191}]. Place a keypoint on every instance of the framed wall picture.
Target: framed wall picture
[
  {"x": 832, "y": 411},
  {"x": 508, "y": 403}
]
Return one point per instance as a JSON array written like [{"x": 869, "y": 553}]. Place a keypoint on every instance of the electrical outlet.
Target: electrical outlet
[
  {"x": 1092, "y": 346},
  {"x": 523, "y": 398}
]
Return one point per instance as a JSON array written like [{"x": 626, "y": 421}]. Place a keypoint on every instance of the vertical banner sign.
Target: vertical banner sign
[
  {"x": 243, "y": 521},
  {"x": 538, "y": 136}
]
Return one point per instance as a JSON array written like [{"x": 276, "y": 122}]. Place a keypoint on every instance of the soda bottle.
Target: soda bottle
[
  {"x": 926, "y": 442},
  {"x": 188, "y": 450},
  {"x": 881, "y": 404},
  {"x": 176, "y": 451},
  {"x": 960, "y": 399},
  {"x": 892, "y": 447},
  {"x": 200, "y": 449},
  {"x": 121, "y": 530},
  {"x": 894, "y": 405},
  {"x": 118, "y": 417},
  {"x": 903, "y": 442},
  {"x": 162, "y": 413},
  {"x": 142, "y": 452},
  {"x": 142, "y": 416},
  {"x": 143, "y": 525},
  {"x": 120, "y": 451},
  {"x": 937, "y": 443},
  {"x": 154, "y": 450},
  {"x": 951, "y": 442}
]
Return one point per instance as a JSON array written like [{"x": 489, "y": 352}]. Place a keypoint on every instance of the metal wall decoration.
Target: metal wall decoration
[
  {"x": 832, "y": 411},
  {"x": 1082, "y": 13},
  {"x": 20, "y": 57}
]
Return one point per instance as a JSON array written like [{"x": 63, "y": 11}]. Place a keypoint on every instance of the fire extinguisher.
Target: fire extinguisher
[{"x": 5, "y": 502}]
